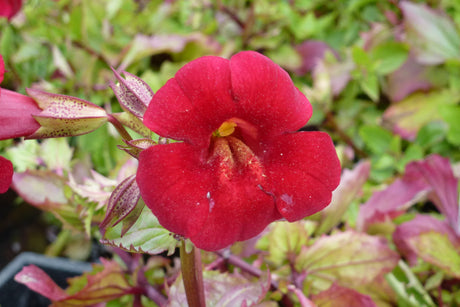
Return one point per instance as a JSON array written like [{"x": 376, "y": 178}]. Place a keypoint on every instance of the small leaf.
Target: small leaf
[
  {"x": 389, "y": 56},
  {"x": 57, "y": 154},
  {"x": 37, "y": 280},
  {"x": 376, "y": 138},
  {"x": 450, "y": 115},
  {"x": 146, "y": 235},
  {"x": 65, "y": 115},
  {"x": 133, "y": 93},
  {"x": 349, "y": 259}
]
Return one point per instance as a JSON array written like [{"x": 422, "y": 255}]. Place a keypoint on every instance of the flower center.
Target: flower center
[{"x": 232, "y": 150}]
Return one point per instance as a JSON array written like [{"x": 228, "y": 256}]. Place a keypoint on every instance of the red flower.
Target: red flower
[
  {"x": 6, "y": 174},
  {"x": 241, "y": 164},
  {"x": 16, "y": 112},
  {"x": 9, "y": 8}
]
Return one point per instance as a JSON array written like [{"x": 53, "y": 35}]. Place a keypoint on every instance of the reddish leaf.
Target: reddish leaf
[
  {"x": 343, "y": 297},
  {"x": 432, "y": 176},
  {"x": 105, "y": 283},
  {"x": 312, "y": 52},
  {"x": 37, "y": 280},
  {"x": 410, "y": 77}
]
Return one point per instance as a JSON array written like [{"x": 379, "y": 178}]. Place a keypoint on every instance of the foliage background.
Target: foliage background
[{"x": 383, "y": 78}]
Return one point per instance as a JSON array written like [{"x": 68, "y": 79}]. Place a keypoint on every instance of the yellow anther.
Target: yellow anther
[{"x": 226, "y": 129}]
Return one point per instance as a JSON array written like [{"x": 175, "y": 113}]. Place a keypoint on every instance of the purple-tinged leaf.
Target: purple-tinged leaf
[
  {"x": 432, "y": 177},
  {"x": 311, "y": 52},
  {"x": 432, "y": 34},
  {"x": 349, "y": 187},
  {"x": 438, "y": 173},
  {"x": 391, "y": 202},
  {"x": 432, "y": 240},
  {"x": 350, "y": 259},
  {"x": 122, "y": 201},
  {"x": 343, "y": 297},
  {"x": 131, "y": 121},
  {"x": 37, "y": 280},
  {"x": 65, "y": 115},
  {"x": 407, "y": 116},
  {"x": 135, "y": 147},
  {"x": 408, "y": 78},
  {"x": 133, "y": 93},
  {"x": 144, "y": 234},
  {"x": 222, "y": 290}
]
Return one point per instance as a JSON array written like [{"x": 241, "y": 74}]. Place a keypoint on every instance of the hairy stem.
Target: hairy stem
[{"x": 192, "y": 276}]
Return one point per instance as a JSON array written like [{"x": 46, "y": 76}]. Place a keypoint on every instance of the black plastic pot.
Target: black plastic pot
[{"x": 14, "y": 294}]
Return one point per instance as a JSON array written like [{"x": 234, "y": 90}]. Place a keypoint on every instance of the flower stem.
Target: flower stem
[
  {"x": 192, "y": 276},
  {"x": 124, "y": 134}
]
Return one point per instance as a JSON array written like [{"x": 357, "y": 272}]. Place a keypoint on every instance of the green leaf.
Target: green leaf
[
  {"x": 409, "y": 115},
  {"x": 370, "y": 85},
  {"x": 451, "y": 115},
  {"x": 376, "y": 138},
  {"x": 286, "y": 239},
  {"x": 146, "y": 235},
  {"x": 408, "y": 288},
  {"x": 428, "y": 246},
  {"x": 388, "y": 57},
  {"x": 24, "y": 156},
  {"x": 349, "y": 259},
  {"x": 56, "y": 153}
]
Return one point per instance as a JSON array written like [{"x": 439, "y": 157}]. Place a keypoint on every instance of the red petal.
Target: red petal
[
  {"x": 194, "y": 103},
  {"x": 2, "y": 68},
  {"x": 303, "y": 169},
  {"x": 16, "y": 112},
  {"x": 267, "y": 95},
  {"x": 206, "y": 201},
  {"x": 9, "y": 8},
  {"x": 174, "y": 187},
  {"x": 6, "y": 174}
]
